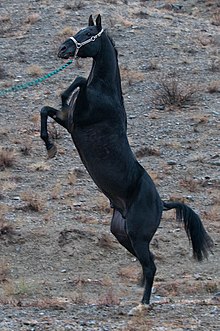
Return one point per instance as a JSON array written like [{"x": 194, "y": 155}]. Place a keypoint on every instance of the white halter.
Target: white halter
[{"x": 79, "y": 45}]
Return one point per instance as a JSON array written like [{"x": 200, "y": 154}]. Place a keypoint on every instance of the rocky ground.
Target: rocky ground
[{"x": 60, "y": 267}]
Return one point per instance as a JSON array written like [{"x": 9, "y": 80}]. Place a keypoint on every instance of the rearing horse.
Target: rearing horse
[{"x": 96, "y": 119}]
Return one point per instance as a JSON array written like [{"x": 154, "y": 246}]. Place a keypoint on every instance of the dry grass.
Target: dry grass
[
  {"x": 131, "y": 76},
  {"x": 118, "y": 19},
  {"x": 101, "y": 204},
  {"x": 6, "y": 229},
  {"x": 40, "y": 166},
  {"x": 4, "y": 272},
  {"x": 34, "y": 202},
  {"x": 33, "y": 18},
  {"x": 54, "y": 131},
  {"x": 26, "y": 148},
  {"x": 173, "y": 93},
  {"x": 109, "y": 298},
  {"x": 74, "y": 5},
  {"x": 56, "y": 191},
  {"x": 214, "y": 87},
  {"x": 7, "y": 157},
  {"x": 147, "y": 151},
  {"x": 19, "y": 288},
  {"x": 105, "y": 241},
  {"x": 216, "y": 18},
  {"x": 190, "y": 184},
  {"x": 131, "y": 273},
  {"x": 34, "y": 70},
  {"x": 212, "y": 214},
  {"x": 66, "y": 32},
  {"x": 215, "y": 64},
  {"x": 72, "y": 178}
]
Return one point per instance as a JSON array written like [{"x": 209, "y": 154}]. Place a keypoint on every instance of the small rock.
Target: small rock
[
  {"x": 216, "y": 297},
  {"x": 171, "y": 162}
]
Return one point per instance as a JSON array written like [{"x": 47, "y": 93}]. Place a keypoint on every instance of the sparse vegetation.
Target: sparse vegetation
[
  {"x": 174, "y": 93},
  {"x": 74, "y": 5},
  {"x": 214, "y": 87},
  {"x": 131, "y": 76},
  {"x": 33, "y": 18},
  {"x": 7, "y": 157},
  {"x": 34, "y": 70},
  {"x": 105, "y": 241},
  {"x": 33, "y": 202},
  {"x": 147, "y": 151},
  {"x": 216, "y": 18},
  {"x": 101, "y": 204},
  {"x": 85, "y": 279}
]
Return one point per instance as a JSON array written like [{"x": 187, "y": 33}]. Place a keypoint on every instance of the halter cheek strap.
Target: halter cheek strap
[{"x": 79, "y": 45}]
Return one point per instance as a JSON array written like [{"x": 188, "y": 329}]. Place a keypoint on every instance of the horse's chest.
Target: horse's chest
[{"x": 93, "y": 145}]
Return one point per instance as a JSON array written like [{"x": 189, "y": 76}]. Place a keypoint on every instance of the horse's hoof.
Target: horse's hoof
[
  {"x": 52, "y": 152},
  {"x": 139, "y": 310}
]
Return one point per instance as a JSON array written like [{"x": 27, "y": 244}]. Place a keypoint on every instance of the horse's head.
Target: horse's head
[{"x": 86, "y": 43}]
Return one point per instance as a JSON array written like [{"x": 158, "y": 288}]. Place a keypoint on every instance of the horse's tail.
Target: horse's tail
[{"x": 201, "y": 241}]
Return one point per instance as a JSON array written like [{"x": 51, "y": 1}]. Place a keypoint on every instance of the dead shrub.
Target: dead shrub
[
  {"x": 147, "y": 151},
  {"x": 216, "y": 18},
  {"x": 7, "y": 157},
  {"x": 54, "y": 131},
  {"x": 172, "y": 92},
  {"x": 131, "y": 76},
  {"x": 75, "y": 5},
  {"x": 33, "y": 202},
  {"x": 26, "y": 148},
  {"x": 5, "y": 228},
  {"x": 130, "y": 273},
  {"x": 56, "y": 191},
  {"x": 214, "y": 87},
  {"x": 109, "y": 298},
  {"x": 105, "y": 241},
  {"x": 71, "y": 178},
  {"x": 102, "y": 204},
  {"x": 66, "y": 32},
  {"x": 190, "y": 183},
  {"x": 34, "y": 70},
  {"x": 215, "y": 64},
  {"x": 4, "y": 272},
  {"x": 39, "y": 166},
  {"x": 33, "y": 18}
]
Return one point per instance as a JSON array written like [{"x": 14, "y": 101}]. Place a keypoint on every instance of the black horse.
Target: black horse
[{"x": 96, "y": 118}]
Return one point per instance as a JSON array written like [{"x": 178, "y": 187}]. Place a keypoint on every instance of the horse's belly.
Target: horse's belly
[{"x": 109, "y": 161}]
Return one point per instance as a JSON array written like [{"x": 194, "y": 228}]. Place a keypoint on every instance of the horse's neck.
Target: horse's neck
[{"x": 105, "y": 69}]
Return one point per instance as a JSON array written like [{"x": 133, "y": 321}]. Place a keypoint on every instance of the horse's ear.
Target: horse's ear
[
  {"x": 99, "y": 22},
  {"x": 91, "y": 22}
]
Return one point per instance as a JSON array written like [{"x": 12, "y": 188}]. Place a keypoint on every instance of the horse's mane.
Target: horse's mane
[
  {"x": 112, "y": 41},
  {"x": 116, "y": 53}
]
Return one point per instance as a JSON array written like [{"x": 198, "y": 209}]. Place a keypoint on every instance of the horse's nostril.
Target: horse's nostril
[{"x": 63, "y": 49}]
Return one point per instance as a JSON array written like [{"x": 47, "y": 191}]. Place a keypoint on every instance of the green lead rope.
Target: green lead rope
[{"x": 37, "y": 81}]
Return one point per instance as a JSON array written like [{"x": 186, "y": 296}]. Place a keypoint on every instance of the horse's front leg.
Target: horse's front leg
[
  {"x": 61, "y": 117},
  {"x": 78, "y": 82}
]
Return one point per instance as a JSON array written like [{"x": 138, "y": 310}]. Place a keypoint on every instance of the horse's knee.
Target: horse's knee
[{"x": 44, "y": 112}]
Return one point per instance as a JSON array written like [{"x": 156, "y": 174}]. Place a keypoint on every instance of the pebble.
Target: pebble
[{"x": 171, "y": 162}]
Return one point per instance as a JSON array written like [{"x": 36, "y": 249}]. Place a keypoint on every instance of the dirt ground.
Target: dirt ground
[{"x": 60, "y": 267}]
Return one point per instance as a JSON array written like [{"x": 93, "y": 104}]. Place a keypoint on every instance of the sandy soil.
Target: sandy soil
[{"x": 60, "y": 267}]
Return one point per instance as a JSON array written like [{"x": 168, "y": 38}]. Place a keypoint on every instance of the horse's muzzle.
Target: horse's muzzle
[{"x": 63, "y": 53}]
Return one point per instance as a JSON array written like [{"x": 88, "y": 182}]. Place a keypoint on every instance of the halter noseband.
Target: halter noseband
[{"x": 79, "y": 45}]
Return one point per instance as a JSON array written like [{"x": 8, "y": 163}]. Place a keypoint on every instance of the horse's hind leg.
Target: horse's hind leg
[
  {"x": 143, "y": 219},
  {"x": 118, "y": 229},
  {"x": 61, "y": 117}
]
